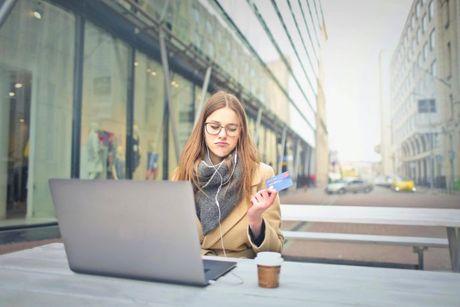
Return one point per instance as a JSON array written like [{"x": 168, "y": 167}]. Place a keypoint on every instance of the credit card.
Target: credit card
[{"x": 279, "y": 182}]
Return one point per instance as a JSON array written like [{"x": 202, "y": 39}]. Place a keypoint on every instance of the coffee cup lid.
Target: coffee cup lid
[{"x": 269, "y": 259}]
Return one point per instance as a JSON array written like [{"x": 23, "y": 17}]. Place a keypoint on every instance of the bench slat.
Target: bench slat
[{"x": 367, "y": 239}]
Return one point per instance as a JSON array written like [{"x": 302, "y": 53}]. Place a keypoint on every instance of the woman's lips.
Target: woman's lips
[{"x": 221, "y": 144}]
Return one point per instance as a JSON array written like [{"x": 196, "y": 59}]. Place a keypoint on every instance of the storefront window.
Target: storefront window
[
  {"x": 103, "y": 130},
  {"x": 36, "y": 72},
  {"x": 183, "y": 99},
  {"x": 262, "y": 143},
  {"x": 251, "y": 126},
  {"x": 198, "y": 90},
  {"x": 148, "y": 129},
  {"x": 271, "y": 151},
  {"x": 289, "y": 155}
]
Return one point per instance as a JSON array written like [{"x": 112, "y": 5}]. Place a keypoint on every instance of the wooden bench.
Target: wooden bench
[{"x": 419, "y": 244}]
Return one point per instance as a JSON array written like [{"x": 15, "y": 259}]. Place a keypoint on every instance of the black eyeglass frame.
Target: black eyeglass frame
[{"x": 232, "y": 134}]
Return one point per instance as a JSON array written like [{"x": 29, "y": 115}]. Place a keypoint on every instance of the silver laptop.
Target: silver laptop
[{"x": 133, "y": 229}]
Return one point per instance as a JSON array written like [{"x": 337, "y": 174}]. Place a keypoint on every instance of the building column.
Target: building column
[
  {"x": 406, "y": 170},
  {"x": 419, "y": 171},
  {"x": 204, "y": 90},
  {"x": 456, "y": 157},
  {"x": 424, "y": 171},
  {"x": 4, "y": 140},
  {"x": 430, "y": 171}
]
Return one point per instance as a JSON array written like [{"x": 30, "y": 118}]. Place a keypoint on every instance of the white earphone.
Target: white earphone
[
  {"x": 216, "y": 198},
  {"x": 219, "y": 188}
]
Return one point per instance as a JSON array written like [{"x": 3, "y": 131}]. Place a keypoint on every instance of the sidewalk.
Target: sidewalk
[{"x": 378, "y": 197}]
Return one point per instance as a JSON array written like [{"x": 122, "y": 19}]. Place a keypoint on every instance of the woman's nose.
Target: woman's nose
[{"x": 223, "y": 132}]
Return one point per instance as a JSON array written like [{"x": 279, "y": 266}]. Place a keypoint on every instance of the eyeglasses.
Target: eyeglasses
[{"x": 215, "y": 128}]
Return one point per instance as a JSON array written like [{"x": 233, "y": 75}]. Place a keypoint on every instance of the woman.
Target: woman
[{"x": 237, "y": 215}]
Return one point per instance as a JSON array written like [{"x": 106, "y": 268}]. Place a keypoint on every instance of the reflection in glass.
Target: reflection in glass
[
  {"x": 103, "y": 130},
  {"x": 183, "y": 98},
  {"x": 148, "y": 129}
]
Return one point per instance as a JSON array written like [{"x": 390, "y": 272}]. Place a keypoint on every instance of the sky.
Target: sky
[{"x": 357, "y": 31}]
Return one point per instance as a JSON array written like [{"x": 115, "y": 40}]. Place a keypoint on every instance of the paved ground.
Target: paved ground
[
  {"x": 435, "y": 258},
  {"x": 12, "y": 247},
  {"x": 378, "y": 197}
]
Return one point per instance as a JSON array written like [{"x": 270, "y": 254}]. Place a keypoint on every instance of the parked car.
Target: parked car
[
  {"x": 354, "y": 186},
  {"x": 403, "y": 184},
  {"x": 336, "y": 186},
  {"x": 359, "y": 185}
]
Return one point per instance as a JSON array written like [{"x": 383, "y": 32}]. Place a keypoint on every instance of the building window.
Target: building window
[
  {"x": 149, "y": 120},
  {"x": 417, "y": 9},
  {"x": 419, "y": 35},
  {"x": 425, "y": 51},
  {"x": 103, "y": 129},
  {"x": 431, "y": 10},
  {"x": 432, "y": 40},
  {"x": 182, "y": 97},
  {"x": 449, "y": 60},
  {"x": 426, "y": 106},
  {"x": 36, "y": 91},
  {"x": 425, "y": 23},
  {"x": 447, "y": 13}
]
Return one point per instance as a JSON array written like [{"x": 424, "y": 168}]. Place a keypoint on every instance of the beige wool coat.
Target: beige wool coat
[{"x": 235, "y": 227}]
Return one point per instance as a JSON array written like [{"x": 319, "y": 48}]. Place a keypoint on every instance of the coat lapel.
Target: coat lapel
[{"x": 232, "y": 219}]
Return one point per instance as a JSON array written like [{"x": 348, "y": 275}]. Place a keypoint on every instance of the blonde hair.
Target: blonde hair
[{"x": 195, "y": 148}]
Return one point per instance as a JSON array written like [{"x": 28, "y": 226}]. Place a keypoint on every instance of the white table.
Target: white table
[
  {"x": 41, "y": 277},
  {"x": 448, "y": 218}
]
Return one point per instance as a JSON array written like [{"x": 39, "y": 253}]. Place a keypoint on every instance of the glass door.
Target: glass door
[{"x": 15, "y": 118}]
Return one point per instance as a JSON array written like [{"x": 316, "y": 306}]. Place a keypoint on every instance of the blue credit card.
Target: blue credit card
[{"x": 279, "y": 182}]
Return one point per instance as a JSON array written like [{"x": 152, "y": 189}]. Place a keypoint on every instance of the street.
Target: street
[{"x": 435, "y": 258}]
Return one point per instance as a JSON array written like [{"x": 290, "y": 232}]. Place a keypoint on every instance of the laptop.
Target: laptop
[{"x": 133, "y": 229}]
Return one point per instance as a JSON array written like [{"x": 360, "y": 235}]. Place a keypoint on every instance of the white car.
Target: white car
[
  {"x": 352, "y": 185},
  {"x": 338, "y": 186},
  {"x": 383, "y": 181}
]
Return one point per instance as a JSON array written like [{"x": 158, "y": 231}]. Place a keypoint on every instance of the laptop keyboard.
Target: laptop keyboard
[{"x": 214, "y": 268}]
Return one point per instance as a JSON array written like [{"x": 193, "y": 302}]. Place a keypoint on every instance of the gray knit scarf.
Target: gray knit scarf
[{"x": 223, "y": 181}]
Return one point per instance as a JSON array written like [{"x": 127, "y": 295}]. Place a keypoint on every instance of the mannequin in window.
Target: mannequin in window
[
  {"x": 118, "y": 165},
  {"x": 94, "y": 151},
  {"x": 152, "y": 163},
  {"x": 136, "y": 147}
]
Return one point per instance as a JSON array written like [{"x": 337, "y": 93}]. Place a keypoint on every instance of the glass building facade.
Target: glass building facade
[{"x": 83, "y": 88}]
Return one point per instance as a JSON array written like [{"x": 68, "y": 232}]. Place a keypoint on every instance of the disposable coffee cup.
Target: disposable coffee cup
[{"x": 268, "y": 269}]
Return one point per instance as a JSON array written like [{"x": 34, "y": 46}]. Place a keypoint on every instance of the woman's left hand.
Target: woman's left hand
[{"x": 261, "y": 201}]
